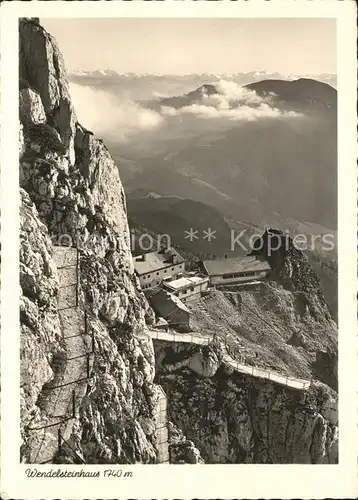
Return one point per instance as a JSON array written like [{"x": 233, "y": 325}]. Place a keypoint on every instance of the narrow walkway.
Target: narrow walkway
[
  {"x": 61, "y": 397},
  {"x": 277, "y": 378},
  {"x": 161, "y": 425},
  {"x": 292, "y": 382},
  {"x": 187, "y": 338}
]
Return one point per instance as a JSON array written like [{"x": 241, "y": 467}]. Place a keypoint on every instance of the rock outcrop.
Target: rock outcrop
[
  {"x": 291, "y": 269},
  {"x": 282, "y": 325},
  {"x": 182, "y": 450},
  {"x": 204, "y": 361},
  {"x": 234, "y": 418},
  {"x": 72, "y": 195}
]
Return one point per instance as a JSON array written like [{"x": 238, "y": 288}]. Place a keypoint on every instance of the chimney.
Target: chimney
[{"x": 164, "y": 249}]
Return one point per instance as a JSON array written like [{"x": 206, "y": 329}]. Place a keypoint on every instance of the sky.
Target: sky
[{"x": 182, "y": 46}]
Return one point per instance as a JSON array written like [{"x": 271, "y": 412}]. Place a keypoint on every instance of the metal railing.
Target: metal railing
[
  {"x": 188, "y": 338},
  {"x": 61, "y": 442},
  {"x": 276, "y": 377},
  {"x": 67, "y": 258},
  {"x": 292, "y": 382},
  {"x": 273, "y": 376},
  {"x": 161, "y": 429}
]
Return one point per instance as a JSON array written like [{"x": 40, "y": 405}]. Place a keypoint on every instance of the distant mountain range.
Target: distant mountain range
[
  {"x": 226, "y": 174},
  {"x": 302, "y": 95},
  {"x": 246, "y": 77},
  {"x": 265, "y": 170}
]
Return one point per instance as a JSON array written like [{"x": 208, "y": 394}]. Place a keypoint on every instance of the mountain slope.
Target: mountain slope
[
  {"x": 176, "y": 217},
  {"x": 190, "y": 98},
  {"x": 72, "y": 193},
  {"x": 265, "y": 169},
  {"x": 282, "y": 324},
  {"x": 303, "y": 94}
]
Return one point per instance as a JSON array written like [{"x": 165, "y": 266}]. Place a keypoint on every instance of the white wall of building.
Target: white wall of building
[
  {"x": 190, "y": 292},
  {"x": 220, "y": 280},
  {"x": 156, "y": 277}
]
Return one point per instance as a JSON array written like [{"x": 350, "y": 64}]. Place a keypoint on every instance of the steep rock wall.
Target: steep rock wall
[
  {"x": 233, "y": 418},
  {"x": 72, "y": 195},
  {"x": 236, "y": 418},
  {"x": 292, "y": 271}
]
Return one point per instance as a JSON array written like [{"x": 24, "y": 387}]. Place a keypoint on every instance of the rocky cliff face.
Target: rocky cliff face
[
  {"x": 182, "y": 450},
  {"x": 72, "y": 195},
  {"x": 235, "y": 418},
  {"x": 301, "y": 285},
  {"x": 282, "y": 325}
]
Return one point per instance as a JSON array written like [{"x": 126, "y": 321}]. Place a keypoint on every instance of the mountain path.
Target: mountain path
[
  {"x": 272, "y": 376},
  {"x": 63, "y": 394}
]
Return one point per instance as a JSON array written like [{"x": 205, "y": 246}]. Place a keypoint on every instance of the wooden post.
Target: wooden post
[
  {"x": 73, "y": 404},
  {"x": 59, "y": 441},
  {"x": 86, "y": 324},
  {"x": 93, "y": 346},
  {"x": 77, "y": 264}
]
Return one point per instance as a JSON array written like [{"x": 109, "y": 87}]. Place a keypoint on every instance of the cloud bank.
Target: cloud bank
[
  {"x": 233, "y": 102},
  {"x": 107, "y": 115},
  {"x": 118, "y": 118}
]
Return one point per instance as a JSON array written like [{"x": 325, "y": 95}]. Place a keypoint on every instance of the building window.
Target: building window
[
  {"x": 172, "y": 268},
  {"x": 165, "y": 270},
  {"x": 192, "y": 289},
  {"x": 158, "y": 273},
  {"x": 148, "y": 275}
]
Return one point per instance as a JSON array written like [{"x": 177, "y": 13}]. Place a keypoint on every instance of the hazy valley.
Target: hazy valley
[
  {"x": 200, "y": 351},
  {"x": 201, "y": 152}
]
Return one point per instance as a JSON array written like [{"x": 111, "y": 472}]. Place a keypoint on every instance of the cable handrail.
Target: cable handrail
[
  {"x": 50, "y": 425},
  {"x": 161, "y": 427},
  {"x": 61, "y": 440},
  {"x": 289, "y": 380},
  {"x": 60, "y": 388},
  {"x": 188, "y": 338},
  {"x": 273, "y": 376}
]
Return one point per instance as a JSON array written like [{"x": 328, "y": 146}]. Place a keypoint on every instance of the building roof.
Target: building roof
[
  {"x": 165, "y": 304},
  {"x": 185, "y": 282},
  {"x": 153, "y": 261},
  {"x": 235, "y": 265},
  {"x": 149, "y": 292}
]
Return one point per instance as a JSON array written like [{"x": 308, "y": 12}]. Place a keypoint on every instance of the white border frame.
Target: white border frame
[{"x": 166, "y": 481}]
